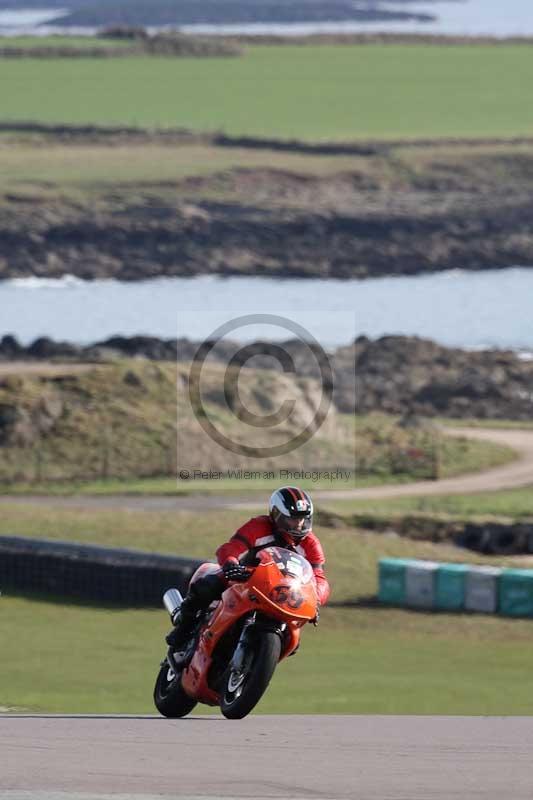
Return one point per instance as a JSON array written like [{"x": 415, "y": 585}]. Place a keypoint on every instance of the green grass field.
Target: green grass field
[
  {"x": 381, "y": 661},
  {"x": 359, "y": 660},
  {"x": 513, "y": 503},
  {"x": 61, "y": 41},
  {"x": 313, "y": 92}
]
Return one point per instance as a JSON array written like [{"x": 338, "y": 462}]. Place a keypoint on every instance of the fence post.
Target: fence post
[
  {"x": 436, "y": 466},
  {"x": 38, "y": 476},
  {"x": 105, "y": 454}
]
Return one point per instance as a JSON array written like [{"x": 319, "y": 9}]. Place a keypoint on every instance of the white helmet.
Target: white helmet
[{"x": 287, "y": 508}]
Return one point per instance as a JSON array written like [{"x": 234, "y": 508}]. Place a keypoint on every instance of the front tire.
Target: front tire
[
  {"x": 242, "y": 691},
  {"x": 169, "y": 696}
]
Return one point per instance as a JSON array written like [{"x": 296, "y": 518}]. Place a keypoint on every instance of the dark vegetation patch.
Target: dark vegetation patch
[
  {"x": 121, "y": 41},
  {"x": 139, "y": 43},
  {"x": 107, "y": 135}
]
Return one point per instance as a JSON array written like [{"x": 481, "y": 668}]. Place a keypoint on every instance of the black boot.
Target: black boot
[{"x": 183, "y": 626}]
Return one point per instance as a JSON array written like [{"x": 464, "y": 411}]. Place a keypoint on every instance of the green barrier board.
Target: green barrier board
[
  {"x": 392, "y": 580},
  {"x": 450, "y": 587},
  {"x": 516, "y": 593}
]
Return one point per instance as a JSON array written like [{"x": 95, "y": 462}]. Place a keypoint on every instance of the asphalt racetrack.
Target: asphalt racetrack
[{"x": 298, "y": 757}]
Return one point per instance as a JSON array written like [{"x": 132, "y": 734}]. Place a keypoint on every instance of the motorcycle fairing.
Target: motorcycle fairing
[{"x": 281, "y": 587}]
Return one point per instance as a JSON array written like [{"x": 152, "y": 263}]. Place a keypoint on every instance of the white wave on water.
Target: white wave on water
[
  {"x": 65, "y": 282},
  {"x": 29, "y": 17},
  {"x": 523, "y": 354},
  {"x": 74, "y": 282}
]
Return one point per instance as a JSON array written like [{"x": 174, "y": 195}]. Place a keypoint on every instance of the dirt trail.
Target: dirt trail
[
  {"x": 513, "y": 475},
  {"x": 46, "y": 369}
]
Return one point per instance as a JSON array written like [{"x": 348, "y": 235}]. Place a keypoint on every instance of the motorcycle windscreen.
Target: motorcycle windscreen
[{"x": 288, "y": 563}]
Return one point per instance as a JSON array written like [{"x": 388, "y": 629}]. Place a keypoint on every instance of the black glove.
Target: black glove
[{"x": 233, "y": 571}]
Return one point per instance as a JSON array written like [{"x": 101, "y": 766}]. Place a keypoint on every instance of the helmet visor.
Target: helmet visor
[{"x": 297, "y": 527}]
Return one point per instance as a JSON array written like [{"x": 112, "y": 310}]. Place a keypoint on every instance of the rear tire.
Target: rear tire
[
  {"x": 169, "y": 696},
  {"x": 243, "y": 691}
]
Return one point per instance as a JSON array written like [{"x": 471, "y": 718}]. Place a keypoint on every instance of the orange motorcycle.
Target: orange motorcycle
[{"x": 237, "y": 643}]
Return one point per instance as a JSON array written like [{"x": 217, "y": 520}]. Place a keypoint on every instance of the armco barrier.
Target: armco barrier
[
  {"x": 455, "y": 587},
  {"x": 101, "y": 574}
]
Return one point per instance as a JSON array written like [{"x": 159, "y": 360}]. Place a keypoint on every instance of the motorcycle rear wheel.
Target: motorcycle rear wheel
[
  {"x": 243, "y": 691},
  {"x": 169, "y": 696}
]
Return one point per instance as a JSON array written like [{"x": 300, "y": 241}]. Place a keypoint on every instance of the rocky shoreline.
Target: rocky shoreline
[
  {"x": 405, "y": 376},
  {"x": 372, "y": 234},
  {"x": 228, "y": 12},
  {"x": 353, "y": 210}
]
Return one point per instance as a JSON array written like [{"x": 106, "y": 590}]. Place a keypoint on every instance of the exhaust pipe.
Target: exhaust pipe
[{"x": 172, "y": 601}]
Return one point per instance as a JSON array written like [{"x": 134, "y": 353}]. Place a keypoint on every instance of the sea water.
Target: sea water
[{"x": 458, "y": 308}]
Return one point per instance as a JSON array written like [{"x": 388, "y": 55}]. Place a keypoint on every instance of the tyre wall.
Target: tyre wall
[
  {"x": 100, "y": 574},
  {"x": 489, "y": 537}
]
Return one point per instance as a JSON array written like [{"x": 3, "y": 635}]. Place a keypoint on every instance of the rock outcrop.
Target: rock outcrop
[{"x": 400, "y": 375}]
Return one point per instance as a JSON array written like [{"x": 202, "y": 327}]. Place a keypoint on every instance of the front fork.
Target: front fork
[
  {"x": 242, "y": 650},
  {"x": 239, "y": 654}
]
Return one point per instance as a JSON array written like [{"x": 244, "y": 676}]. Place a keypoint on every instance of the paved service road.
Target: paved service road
[{"x": 304, "y": 757}]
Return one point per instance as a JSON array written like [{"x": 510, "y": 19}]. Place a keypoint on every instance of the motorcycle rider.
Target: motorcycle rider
[{"x": 288, "y": 524}]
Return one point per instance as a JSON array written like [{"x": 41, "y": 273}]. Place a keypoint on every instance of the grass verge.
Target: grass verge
[
  {"x": 511, "y": 503},
  {"x": 371, "y": 661},
  {"x": 384, "y": 91}
]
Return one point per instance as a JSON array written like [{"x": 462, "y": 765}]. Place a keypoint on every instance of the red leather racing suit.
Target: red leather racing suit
[{"x": 258, "y": 533}]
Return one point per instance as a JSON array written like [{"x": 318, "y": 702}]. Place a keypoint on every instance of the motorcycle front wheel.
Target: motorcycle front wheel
[
  {"x": 169, "y": 697},
  {"x": 244, "y": 689}
]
